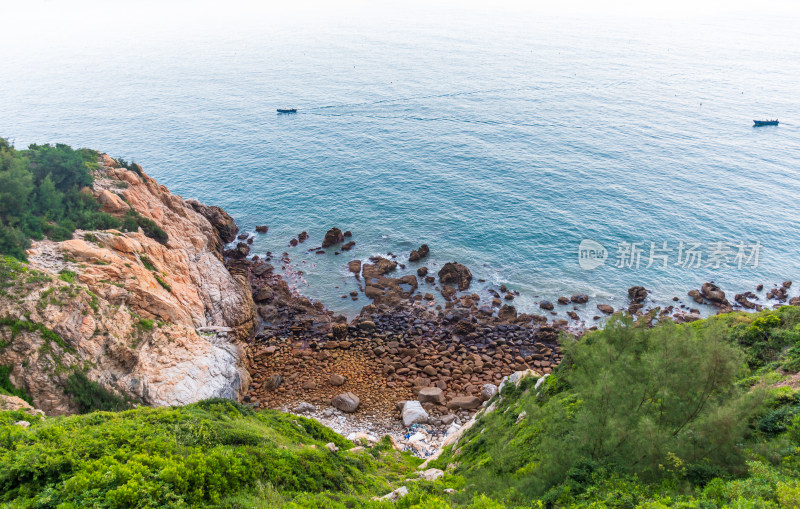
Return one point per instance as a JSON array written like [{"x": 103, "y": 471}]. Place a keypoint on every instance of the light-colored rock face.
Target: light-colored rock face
[{"x": 131, "y": 314}]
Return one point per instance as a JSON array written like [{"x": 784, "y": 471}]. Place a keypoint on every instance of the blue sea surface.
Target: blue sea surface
[{"x": 500, "y": 141}]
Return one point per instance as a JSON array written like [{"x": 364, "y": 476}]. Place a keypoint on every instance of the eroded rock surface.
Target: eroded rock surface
[{"x": 162, "y": 324}]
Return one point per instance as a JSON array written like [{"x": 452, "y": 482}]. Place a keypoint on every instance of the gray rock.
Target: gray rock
[
  {"x": 396, "y": 495},
  {"x": 346, "y": 402},
  {"x": 487, "y": 391},
  {"x": 304, "y": 408},
  {"x": 412, "y": 412}
]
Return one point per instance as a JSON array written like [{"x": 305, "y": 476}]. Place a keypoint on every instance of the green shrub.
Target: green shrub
[
  {"x": 91, "y": 396},
  {"x": 6, "y": 387}
]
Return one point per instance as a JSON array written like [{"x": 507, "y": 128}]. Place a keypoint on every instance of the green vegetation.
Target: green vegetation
[
  {"x": 215, "y": 453},
  {"x": 44, "y": 192},
  {"x": 91, "y": 396},
  {"x": 673, "y": 416},
  {"x": 163, "y": 283},
  {"x": 7, "y": 388},
  {"x": 700, "y": 415},
  {"x": 29, "y": 326}
]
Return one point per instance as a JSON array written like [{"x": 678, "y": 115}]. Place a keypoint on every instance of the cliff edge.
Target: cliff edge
[{"x": 157, "y": 319}]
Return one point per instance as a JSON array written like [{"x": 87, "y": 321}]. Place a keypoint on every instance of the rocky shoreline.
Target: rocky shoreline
[{"x": 408, "y": 365}]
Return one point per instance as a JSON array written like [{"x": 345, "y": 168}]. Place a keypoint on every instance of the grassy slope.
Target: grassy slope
[
  {"x": 220, "y": 454},
  {"x": 503, "y": 456}
]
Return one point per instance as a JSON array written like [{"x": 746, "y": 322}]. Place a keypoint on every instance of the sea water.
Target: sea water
[{"x": 502, "y": 141}]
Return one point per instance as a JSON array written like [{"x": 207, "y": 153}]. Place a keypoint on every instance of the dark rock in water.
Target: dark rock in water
[
  {"x": 219, "y": 219},
  {"x": 563, "y": 301},
  {"x": 422, "y": 271},
  {"x": 419, "y": 254},
  {"x": 348, "y": 246},
  {"x": 580, "y": 298},
  {"x": 778, "y": 294},
  {"x": 380, "y": 267},
  {"x": 302, "y": 237},
  {"x": 250, "y": 240},
  {"x": 634, "y": 308},
  {"x": 713, "y": 293},
  {"x": 506, "y": 313},
  {"x": 262, "y": 229},
  {"x": 695, "y": 295},
  {"x": 346, "y": 402},
  {"x": 503, "y": 289},
  {"x": 332, "y": 237},
  {"x": 787, "y": 284},
  {"x": 348, "y": 233},
  {"x": 320, "y": 251},
  {"x": 354, "y": 267},
  {"x": 293, "y": 242},
  {"x": 546, "y": 304},
  {"x": 573, "y": 315},
  {"x": 430, "y": 280},
  {"x": 453, "y": 273},
  {"x": 759, "y": 288},
  {"x": 794, "y": 301},
  {"x": 637, "y": 293},
  {"x": 741, "y": 299},
  {"x": 605, "y": 308},
  {"x": 242, "y": 236}
]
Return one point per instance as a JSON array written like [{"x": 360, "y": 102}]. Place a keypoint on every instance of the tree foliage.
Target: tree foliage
[{"x": 44, "y": 192}]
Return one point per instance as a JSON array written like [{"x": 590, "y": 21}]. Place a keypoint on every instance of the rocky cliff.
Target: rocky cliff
[{"x": 159, "y": 323}]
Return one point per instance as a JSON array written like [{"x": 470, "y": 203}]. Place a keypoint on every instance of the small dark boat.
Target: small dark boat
[
  {"x": 765, "y": 122},
  {"x": 289, "y": 110}
]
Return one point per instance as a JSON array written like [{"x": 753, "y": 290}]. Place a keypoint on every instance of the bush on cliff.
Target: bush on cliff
[
  {"x": 43, "y": 193},
  {"x": 662, "y": 417}
]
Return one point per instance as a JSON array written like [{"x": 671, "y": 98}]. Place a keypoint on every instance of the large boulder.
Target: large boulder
[
  {"x": 453, "y": 273},
  {"x": 464, "y": 403},
  {"x": 413, "y": 413},
  {"x": 419, "y": 254},
  {"x": 714, "y": 294},
  {"x": 346, "y": 402},
  {"x": 332, "y": 237},
  {"x": 637, "y": 294},
  {"x": 431, "y": 395}
]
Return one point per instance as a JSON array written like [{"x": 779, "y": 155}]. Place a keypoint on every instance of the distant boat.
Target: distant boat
[
  {"x": 289, "y": 110},
  {"x": 765, "y": 122}
]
